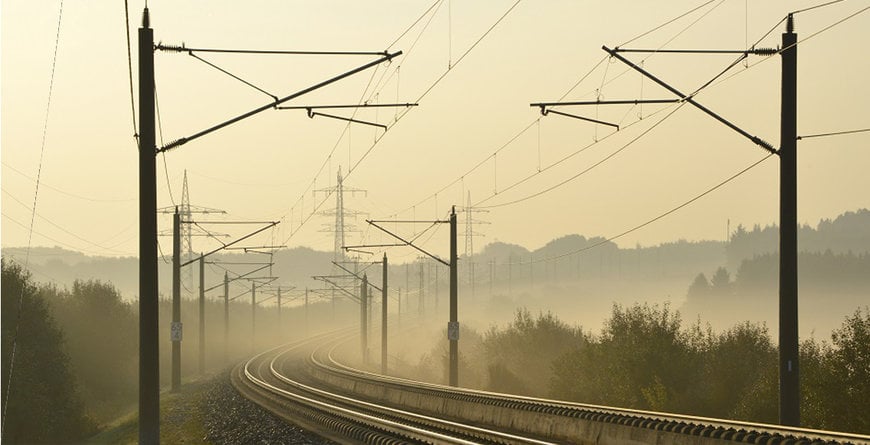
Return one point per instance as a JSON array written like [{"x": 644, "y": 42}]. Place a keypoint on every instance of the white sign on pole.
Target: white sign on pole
[
  {"x": 175, "y": 331},
  {"x": 453, "y": 330}
]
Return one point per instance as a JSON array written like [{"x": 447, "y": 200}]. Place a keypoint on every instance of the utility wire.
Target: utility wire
[
  {"x": 408, "y": 29},
  {"x": 581, "y": 173},
  {"x": 816, "y": 7},
  {"x": 437, "y": 81},
  {"x": 378, "y": 85},
  {"x": 401, "y": 115},
  {"x": 650, "y": 221},
  {"x": 30, "y": 230},
  {"x": 42, "y": 184},
  {"x": 232, "y": 75},
  {"x": 836, "y": 133},
  {"x": 130, "y": 71},
  {"x": 666, "y": 23},
  {"x": 26, "y": 227},
  {"x": 49, "y": 221},
  {"x": 160, "y": 131},
  {"x": 813, "y": 35},
  {"x": 582, "y": 78},
  {"x": 613, "y": 154}
]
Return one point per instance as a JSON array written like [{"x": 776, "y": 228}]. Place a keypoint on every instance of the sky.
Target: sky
[{"x": 473, "y": 68}]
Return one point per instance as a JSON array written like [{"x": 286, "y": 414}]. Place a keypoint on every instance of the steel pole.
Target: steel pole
[
  {"x": 226, "y": 317},
  {"x": 253, "y": 316},
  {"x": 176, "y": 302},
  {"x": 384, "y": 318},
  {"x": 789, "y": 386},
  {"x": 149, "y": 346},
  {"x": 363, "y": 328},
  {"x": 453, "y": 325},
  {"x": 201, "y": 314}
]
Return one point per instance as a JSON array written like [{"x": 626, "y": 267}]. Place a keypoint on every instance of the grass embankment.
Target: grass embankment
[{"x": 181, "y": 419}]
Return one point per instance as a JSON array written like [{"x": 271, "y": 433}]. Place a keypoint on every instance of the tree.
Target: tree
[
  {"x": 720, "y": 283},
  {"x": 642, "y": 360},
  {"x": 700, "y": 288},
  {"x": 42, "y": 405},
  {"x": 520, "y": 356},
  {"x": 102, "y": 344},
  {"x": 737, "y": 367},
  {"x": 850, "y": 369}
]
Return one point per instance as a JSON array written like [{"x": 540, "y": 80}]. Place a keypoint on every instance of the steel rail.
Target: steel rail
[
  {"x": 387, "y": 424},
  {"x": 682, "y": 425}
]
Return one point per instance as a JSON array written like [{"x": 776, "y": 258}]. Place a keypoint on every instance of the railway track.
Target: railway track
[{"x": 306, "y": 383}]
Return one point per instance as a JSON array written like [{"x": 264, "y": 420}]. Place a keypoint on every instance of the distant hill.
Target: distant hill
[{"x": 569, "y": 258}]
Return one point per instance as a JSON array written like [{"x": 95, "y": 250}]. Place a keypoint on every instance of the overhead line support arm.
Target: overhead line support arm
[
  {"x": 385, "y": 57},
  {"x": 356, "y": 275},
  {"x": 409, "y": 243},
  {"x": 687, "y": 98},
  {"x": 234, "y": 242}
]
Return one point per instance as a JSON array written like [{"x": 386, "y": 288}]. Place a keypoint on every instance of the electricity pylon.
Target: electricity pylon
[
  {"x": 187, "y": 231},
  {"x": 341, "y": 213},
  {"x": 470, "y": 222}
]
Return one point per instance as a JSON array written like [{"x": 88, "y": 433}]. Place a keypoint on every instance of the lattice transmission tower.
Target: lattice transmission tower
[
  {"x": 341, "y": 214},
  {"x": 470, "y": 222},
  {"x": 190, "y": 230}
]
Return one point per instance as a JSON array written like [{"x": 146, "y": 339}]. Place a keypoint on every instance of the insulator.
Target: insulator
[{"x": 764, "y": 51}]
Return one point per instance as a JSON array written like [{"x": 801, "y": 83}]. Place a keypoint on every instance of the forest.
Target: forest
[{"x": 647, "y": 358}]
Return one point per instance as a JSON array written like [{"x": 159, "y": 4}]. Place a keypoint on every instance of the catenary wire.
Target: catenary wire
[
  {"x": 604, "y": 83},
  {"x": 401, "y": 115},
  {"x": 654, "y": 219},
  {"x": 835, "y": 133},
  {"x": 130, "y": 70},
  {"x": 42, "y": 184},
  {"x": 16, "y": 330},
  {"x": 53, "y": 224},
  {"x": 579, "y": 174}
]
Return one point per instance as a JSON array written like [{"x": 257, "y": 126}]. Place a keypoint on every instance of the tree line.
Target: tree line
[
  {"x": 646, "y": 358},
  {"x": 76, "y": 350}
]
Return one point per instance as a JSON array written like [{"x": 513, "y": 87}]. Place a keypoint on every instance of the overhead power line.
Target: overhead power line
[
  {"x": 654, "y": 219},
  {"x": 30, "y": 229},
  {"x": 836, "y": 133},
  {"x": 407, "y": 110}
]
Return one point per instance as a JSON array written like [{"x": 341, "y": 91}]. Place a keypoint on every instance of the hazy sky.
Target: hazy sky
[{"x": 266, "y": 167}]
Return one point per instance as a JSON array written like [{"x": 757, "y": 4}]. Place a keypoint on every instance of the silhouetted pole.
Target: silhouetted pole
[
  {"x": 789, "y": 378},
  {"x": 280, "y": 325},
  {"x": 436, "y": 288},
  {"x": 149, "y": 346},
  {"x": 532, "y": 270},
  {"x": 399, "y": 308},
  {"x": 491, "y": 275},
  {"x": 421, "y": 303},
  {"x": 363, "y": 328},
  {"x": 253, "y": 316},
  {"x": 453, "y": 325},
  {"x": 306, "y": 311},
  {"x": 226, "y": 317},
  {"x": 510, "y": 273},
  {"x": 384, "y": 298},
  {"x": 201, "y": 314},
  {"x": 175, "y": 328}
]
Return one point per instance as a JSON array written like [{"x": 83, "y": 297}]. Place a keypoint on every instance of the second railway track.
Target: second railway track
[{"x": 305, "y": 383}]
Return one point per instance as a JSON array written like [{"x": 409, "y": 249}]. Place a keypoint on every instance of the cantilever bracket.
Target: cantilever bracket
[
  {"x": 312, "y": 113},
  {"x": 690, "y": 99},
  {"x": 545, "y": 111}
]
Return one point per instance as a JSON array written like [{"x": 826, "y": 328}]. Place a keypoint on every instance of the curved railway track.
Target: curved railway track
[{"x": 305, "y": 383}]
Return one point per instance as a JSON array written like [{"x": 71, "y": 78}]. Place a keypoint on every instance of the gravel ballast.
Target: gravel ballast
[{"x": 232, "y": 419}]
